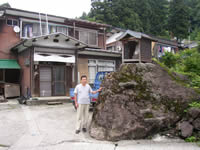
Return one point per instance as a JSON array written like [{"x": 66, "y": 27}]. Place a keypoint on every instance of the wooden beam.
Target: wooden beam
[
  {"x": 128, "y": 39},
  {"x": 131, "y": 60}
]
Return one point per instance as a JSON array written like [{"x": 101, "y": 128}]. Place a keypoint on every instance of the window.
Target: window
[
  {"x": 9, "y": 22},
  {"x": 92, "y": 38},
  {"x": 71, "y": 32},
  {"x": 36, "y": 29},
  {"x": 44, "y": 29},
  {"x": 62, "y": 30},
  {"x": 83, "y": 36},
  {"x": 88, "y": 37},
  {"x": 95, "y": 66},
  {"x": 106, "y": 65},
  {"x": 27, "y": 30},
  {"x": 15, "y": 22},
  {"x": 52, "y": 29},
  {"x": 30, "y": 29},
  {"x": 12, "y": 22},
  {"x": 92, "y": 68}
]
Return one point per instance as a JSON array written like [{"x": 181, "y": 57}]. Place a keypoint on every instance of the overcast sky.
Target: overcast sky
[{"x": 65, "y": 8}]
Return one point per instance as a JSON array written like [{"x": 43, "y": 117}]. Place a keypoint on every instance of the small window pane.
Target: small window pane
[
  {"x": 71, "y": 32},
  {"x": 9, "y": 22},
  {"x": 92, "y": 38},
  {"x": 27, "y": 30},
  {"x": 44, "y": 29},
  {"x": 83, "y": 36},
  {"x": 36, "y": 29},
  {"x": 92, "y": 62},
  {"x": 62, "y": 30},
  {"x": 104, "y": 68},
  {"x": 52, "y": 29},
  {"x": 15, "y": 22}
]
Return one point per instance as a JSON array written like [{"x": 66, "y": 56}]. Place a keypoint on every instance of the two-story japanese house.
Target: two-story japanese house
[{"x": 47, "y": 54}]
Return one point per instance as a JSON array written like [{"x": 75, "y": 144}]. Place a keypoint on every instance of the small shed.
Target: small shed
[{"x": 136, "y": 47}]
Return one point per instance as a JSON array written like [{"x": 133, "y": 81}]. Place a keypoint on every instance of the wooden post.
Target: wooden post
[
  {"x": 76, "y": 67},
  {"x": 123, "y": 51},
  {"x": 74, "y": 25},
  {"x": 140, "y": 52},
  {"x": 31, "y": 60},
  {"x": 104, "y": 37}
]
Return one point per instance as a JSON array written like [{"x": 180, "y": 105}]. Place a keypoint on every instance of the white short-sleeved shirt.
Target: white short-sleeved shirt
[{"x": 83, "y": 93}]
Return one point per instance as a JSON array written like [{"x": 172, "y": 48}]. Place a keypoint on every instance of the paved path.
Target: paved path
[{"x": 52, "y": 128}]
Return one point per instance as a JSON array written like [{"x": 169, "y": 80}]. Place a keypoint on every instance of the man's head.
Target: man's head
[{"x": 83, "y": 79}]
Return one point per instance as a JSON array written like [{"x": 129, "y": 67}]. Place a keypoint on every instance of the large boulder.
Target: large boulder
[
  {"x": 196, "y": 124},
  {"x": 186, "y": 129},
  {"x": 138, "y": 101}
]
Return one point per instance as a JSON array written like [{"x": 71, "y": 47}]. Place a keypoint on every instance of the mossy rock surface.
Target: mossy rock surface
[{"x": 138, "y": 101}]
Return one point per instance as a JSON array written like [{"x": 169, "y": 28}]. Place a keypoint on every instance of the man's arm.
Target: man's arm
[
  {"x": 75, "y": 99},
  {"x": 94, "y": 92},
  {"x": 75, "y": 96}
]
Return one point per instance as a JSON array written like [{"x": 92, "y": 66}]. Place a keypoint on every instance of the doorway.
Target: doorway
[
  {"x": 59, "y": 81},
  {"x": 45, "y": 81},
  {"x": 52, "y": 81}
]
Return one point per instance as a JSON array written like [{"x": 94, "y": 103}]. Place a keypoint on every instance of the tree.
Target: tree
[
  {"x": 140, "y": 15},
  {"x": 178, "y": 19},
  {"x": 194, "y": 12},
  {"x": 118, "y": 13},
  {"x": 158, "y": 17}
]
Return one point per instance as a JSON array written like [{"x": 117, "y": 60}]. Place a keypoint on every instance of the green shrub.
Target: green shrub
[
  {"x": 186, "y": 62},
  {"x": 195, "y": 104},
  {"x": 169, "y": 59},
  {"x": 191, "y": 139}
]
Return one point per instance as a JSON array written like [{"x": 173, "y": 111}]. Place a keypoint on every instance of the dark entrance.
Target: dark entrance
[{"x": 130, "y": 49}]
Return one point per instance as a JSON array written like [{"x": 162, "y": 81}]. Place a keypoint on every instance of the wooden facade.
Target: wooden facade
[
  {"x": 145, "y": 49},
  {"x": 136, "y": 47}
]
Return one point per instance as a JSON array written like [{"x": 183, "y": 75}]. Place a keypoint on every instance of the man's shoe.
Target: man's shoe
[
  {"x": 84, "y": 130},
  {"x": 77, "y": 131}
]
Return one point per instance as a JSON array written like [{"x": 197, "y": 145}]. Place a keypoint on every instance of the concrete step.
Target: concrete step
[
  {"x": 54, "y": 103},
  {"x": 48, "y": 100}
]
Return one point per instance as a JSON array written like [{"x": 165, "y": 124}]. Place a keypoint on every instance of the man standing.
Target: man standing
[{"x": 82, "y": 102}]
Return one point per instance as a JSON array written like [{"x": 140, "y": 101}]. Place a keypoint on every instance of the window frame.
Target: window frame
[
  {"x": 88, "y": 31},
  {"x": 97, "y": 65},
  {"x": 37, "y": 22},
  {"x": 12, "y": 22},
  {"x": 23, "y": 20}
]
